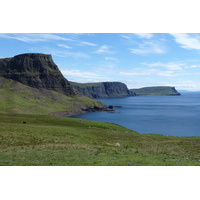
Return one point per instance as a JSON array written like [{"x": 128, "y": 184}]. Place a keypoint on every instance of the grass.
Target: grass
[
  {"x": 18, "y": 98},
  {"x": 57, "y": 141}
]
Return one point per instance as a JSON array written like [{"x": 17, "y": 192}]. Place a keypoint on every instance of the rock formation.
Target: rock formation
[
  {"x": 35, "y": 70},
  {"x": 103, "y": 89},
  {"x": 32, "y": 83}
]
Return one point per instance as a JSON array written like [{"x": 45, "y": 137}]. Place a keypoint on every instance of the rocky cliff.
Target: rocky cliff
[
  {"x": 32, "y": 83},
  {"x": 35, "y": 70},
  {"x": 103, "y": 89},
  {"x": 158, "y": 90}
]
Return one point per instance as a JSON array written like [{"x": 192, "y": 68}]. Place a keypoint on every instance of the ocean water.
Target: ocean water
[{"x": 167, "y": 115}]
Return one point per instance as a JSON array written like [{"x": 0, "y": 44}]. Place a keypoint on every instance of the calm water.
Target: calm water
[{"x": 167, "y": 115}]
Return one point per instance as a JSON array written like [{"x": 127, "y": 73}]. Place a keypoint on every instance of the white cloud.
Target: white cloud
[
  {"x": 150, "y": 47},
  {"x": 68, "y": 54},
  {"x": 81, "y": 73},
  {"x": 111, "y": 59},
  {"x": 128, "y": 37},
  {"x": 60, "y": 53},
  {"x": 192, "y": 67},
  {"x": 88, "y": 43},
  {"x": 144, "y": 35},
  {"x": 131, "y": 36},
  {"x": 169, "y": 66},
  {"x": 103, "y": 49},
  {"x": 64, "y": 46},
  {"x": 148, "y": 72},
  {"x": 34, "y": 37},
  {"x": 187, "y": 41}
]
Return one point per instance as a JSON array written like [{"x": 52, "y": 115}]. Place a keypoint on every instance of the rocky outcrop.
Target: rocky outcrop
[
  {"x": 35, "y": 70},
  {"x": 103, "y": 89},
  {"x": 32, "y": 84},
  {"x": 158, "y": 90}
]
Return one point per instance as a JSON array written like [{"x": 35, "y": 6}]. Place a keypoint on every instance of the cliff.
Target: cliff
[
  {"x": 103, "y": 89},
  {"x": 32, "y": 83},
  {"x": 159, "y": 90},
  {"x": 37, "y": 71}
]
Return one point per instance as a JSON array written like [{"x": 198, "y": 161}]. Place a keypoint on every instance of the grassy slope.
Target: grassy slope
[
  {"x": 18, "y": 98},
  {"x": 48, "y": 140}
]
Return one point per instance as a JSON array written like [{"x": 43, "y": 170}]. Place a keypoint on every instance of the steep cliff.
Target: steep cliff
[
  {"x": 36, "y": 70},
  {"x": 32, "y": 83},
  {"x": 102, "y": 89},
  {"x": 159, "y": 90}
]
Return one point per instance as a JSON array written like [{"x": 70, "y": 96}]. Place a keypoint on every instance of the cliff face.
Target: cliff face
[
  {"x": 102, "y": 89},
  {"x": 159, "y": 90},
  {"x": 35, "y": 70}
]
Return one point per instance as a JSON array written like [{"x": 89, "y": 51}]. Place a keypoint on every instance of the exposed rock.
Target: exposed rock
[
  {"x": 36, "y": 70},
  {"x": 103, "y": 89},
  {"x": 32, "y": 83},
  {"x": 78, "y": 111}
]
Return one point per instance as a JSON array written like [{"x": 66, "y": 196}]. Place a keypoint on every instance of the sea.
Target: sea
[{"x": 166, "y": 115}]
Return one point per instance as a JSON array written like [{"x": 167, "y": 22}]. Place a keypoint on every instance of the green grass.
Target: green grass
[
  {"x": 18, "y": 98},
  {"x": 56, "y": 141}
]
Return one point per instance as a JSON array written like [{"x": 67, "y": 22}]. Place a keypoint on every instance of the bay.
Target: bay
[{"x": 167, "y": 115}]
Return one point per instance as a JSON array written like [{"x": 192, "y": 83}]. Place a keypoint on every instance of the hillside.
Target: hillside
[
  {"x": 159, "y": 90},
  {"x": 102, "y": 89},
  {"x": 32, "y": 83},
  {"x": 62, "y": 141}
]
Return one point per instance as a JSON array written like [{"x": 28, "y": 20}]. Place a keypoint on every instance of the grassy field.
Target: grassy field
[{"x": 40, "y": 140}]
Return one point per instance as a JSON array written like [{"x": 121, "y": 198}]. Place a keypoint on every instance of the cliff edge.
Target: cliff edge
[
  {"x": 37, "y": 71},
  {"x": 158, "y": 90},
  {"x": 103, "y": 89}
]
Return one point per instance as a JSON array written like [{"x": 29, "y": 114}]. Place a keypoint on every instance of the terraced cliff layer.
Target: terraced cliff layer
[
  {"x": 103, "y": 89},
  {"x": 159, "y": 90}
]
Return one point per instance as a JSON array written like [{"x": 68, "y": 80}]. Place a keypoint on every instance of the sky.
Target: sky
[{"x": 136, "y": 59}]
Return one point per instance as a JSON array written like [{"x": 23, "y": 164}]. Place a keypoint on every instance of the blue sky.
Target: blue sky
[{"x": 136, "y": 59}]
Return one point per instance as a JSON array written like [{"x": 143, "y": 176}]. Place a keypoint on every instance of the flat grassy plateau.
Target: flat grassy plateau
[{"x": 40, "y": 140}]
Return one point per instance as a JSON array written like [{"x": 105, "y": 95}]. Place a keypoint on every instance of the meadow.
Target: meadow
[{"x": 41, "y": 140}]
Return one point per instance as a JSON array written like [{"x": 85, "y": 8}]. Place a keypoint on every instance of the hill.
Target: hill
[
  {"x": 158, "y": 90},
  {"x": 32, "y": 83},
  {"x": 102, "y": 89}
]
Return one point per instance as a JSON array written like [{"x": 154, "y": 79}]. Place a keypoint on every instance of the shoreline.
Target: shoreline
[{"x": 71, "y": 113}]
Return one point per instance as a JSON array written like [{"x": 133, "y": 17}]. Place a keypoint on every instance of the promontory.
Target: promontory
[
  {"x": 32, "y": 83},
  {"x": 158, "y": 90}
]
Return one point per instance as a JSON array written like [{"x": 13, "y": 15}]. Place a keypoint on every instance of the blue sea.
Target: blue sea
[{"x": 167, "y": 115}]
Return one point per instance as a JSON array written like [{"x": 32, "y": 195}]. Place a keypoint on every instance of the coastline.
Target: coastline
[{"x": 75, "y": 112}]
